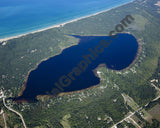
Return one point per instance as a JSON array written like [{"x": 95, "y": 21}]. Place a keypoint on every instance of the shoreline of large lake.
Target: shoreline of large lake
[
  {"x": 41, "y": 97},
  {"x": 60, "y": 24},
  {"x": 71, "y": 92}
]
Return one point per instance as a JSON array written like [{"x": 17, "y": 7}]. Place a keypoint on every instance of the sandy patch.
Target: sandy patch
[{"x": 158, "y": 3}]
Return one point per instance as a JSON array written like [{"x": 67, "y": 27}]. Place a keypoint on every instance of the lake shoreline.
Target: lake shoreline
[
  {"x": 55, "y": 26},
  {"x": 139, "y": 50},
  {"x": 60, "y": 24},
  {"x": 38, "y": 97}
]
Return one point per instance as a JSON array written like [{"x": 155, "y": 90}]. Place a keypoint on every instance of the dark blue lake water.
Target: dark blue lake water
[{"x": 72, "y": 70}]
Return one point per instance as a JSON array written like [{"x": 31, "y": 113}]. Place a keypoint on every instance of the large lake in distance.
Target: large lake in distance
[
  {"x": 117, "y": 56},
  {"x": 23, "y": 16}
]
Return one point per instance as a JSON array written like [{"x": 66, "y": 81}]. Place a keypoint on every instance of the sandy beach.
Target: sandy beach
[
  {"x": 158, "y": 3},
  {"x": 59, "y": 25}
]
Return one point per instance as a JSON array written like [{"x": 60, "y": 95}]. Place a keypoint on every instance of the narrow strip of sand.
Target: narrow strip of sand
[
  {"x": 158, "y": 3},
  {"x": 61, "y": 24}
]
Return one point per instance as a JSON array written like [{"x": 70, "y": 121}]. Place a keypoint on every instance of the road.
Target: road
[
  {"x": 135, "y": 122},
  {"x": 115, "y": 126},
  {"x": 132, "y": 113},
  {"x": 158, "y": 89},
  {"x": 5, "y": 123},
  {"x": 155, "y": 87},
  {"x": 13, "y": 111}
]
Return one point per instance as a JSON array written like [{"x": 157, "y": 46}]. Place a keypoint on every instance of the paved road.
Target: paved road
[
  {"x": 132, "y": 113},
  {"x": 14, "y": 111},
  {"x": 115, "y": 126}
]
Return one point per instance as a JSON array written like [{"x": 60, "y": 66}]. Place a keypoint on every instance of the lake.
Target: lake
[
  {"x": 23, "y": 16},
  {"x": 72, "y": 70}
]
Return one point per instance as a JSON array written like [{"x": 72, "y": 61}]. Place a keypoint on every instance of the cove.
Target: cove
[{"x": 117, "y": 56}]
